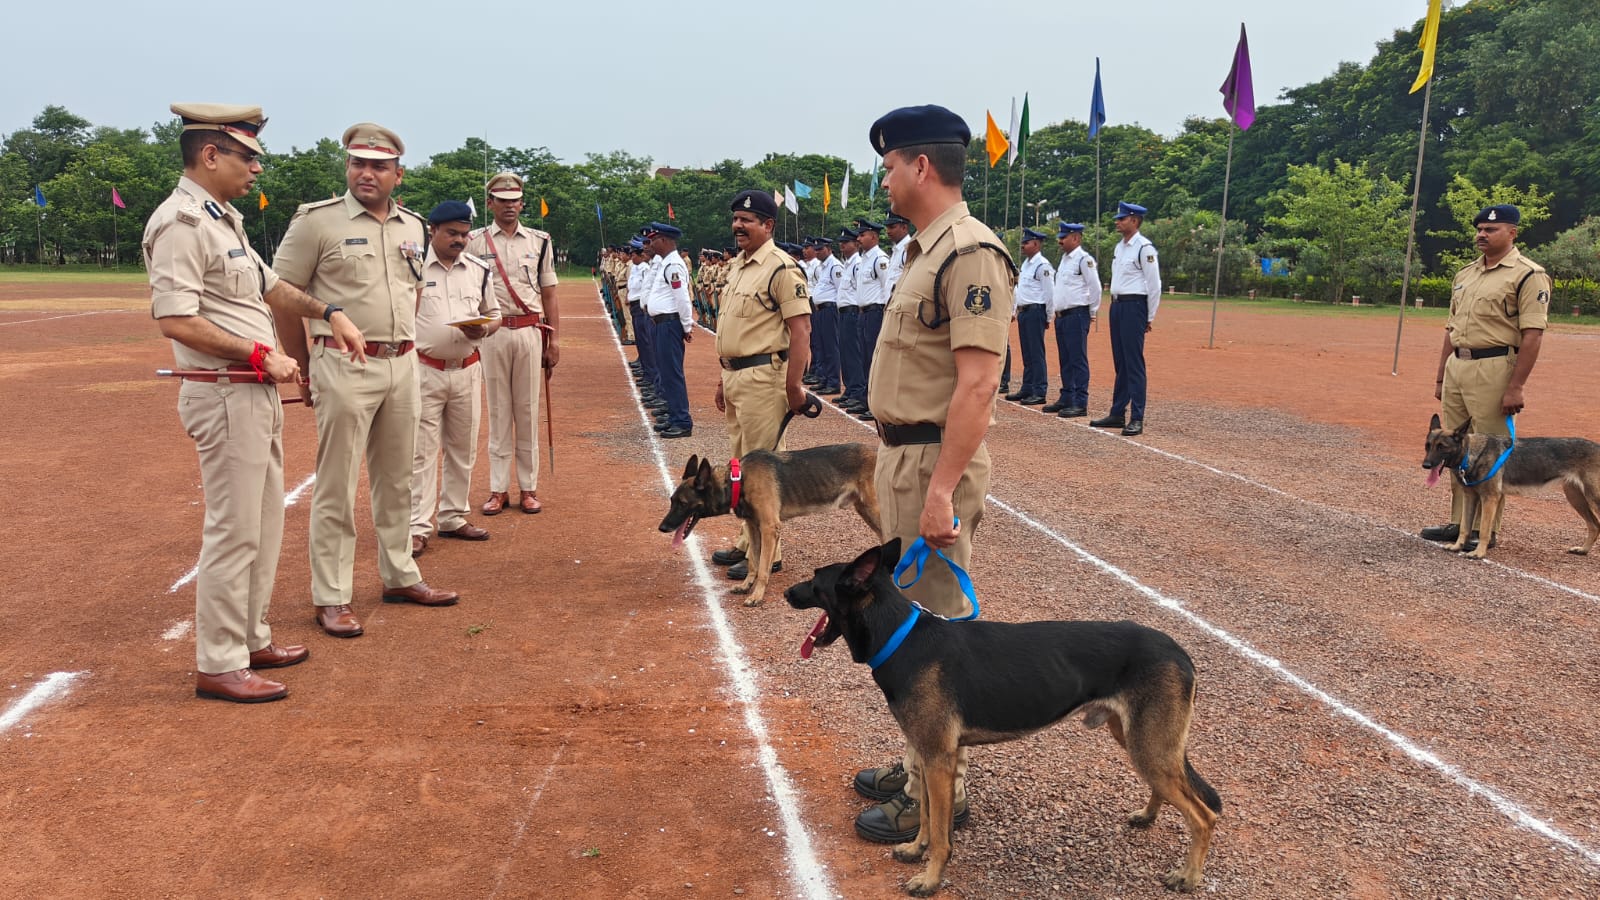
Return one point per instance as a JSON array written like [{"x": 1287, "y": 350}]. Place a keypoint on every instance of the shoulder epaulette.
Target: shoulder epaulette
[
  {"x": 475, "y": 260},
  {"x": 188, "y": 211},
  {"x": 307, "y": 207},
  {"x": 412, "y": 213}
]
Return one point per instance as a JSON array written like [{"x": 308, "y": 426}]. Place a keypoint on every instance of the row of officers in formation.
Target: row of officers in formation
[{"x": 850, "y": 279}]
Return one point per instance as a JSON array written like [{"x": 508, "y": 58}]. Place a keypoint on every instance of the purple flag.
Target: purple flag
[{"x": 1238, "y": 94}]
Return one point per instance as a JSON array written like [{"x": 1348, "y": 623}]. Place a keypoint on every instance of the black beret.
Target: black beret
[
  {"x": 1504, "y": 213},
  {"x": 896, "y": 219},
  {"x": 868, "y": 225},
  {"x": 846, "y": 234},
  {"x": 910, "y": 126},
  {"x": 450, "y": 211},
  {"x": 759, "y": 202}
]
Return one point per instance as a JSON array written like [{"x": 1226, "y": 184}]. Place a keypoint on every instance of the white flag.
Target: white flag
[
  {"x": 789, "y": 200},
  {"x": 474, "y": 207},
  {"x": 844, "y": 192},
  {"x": 1011, "y": 153}
]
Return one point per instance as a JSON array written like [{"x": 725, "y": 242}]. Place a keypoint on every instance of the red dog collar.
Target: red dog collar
[{"x": 734, "y": 476}]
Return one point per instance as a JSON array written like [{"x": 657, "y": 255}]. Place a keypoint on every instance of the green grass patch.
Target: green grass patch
[{"x": 71, "y": 275}]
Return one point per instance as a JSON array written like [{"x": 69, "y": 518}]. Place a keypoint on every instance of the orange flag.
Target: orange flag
[
  {"x": 544, "y": 208},
  {"x": 263, "y": 199},
  {"x": 827, "y": 193},
  {"x": 994, "y": 141}
]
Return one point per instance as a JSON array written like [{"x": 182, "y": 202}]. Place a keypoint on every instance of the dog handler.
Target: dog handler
[
  {"x": 1499, "y": 306},
  {"x": 932, "y": 387}
]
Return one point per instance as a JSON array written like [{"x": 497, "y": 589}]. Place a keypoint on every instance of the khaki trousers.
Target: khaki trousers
[
  {"x": 369, "y": 410},
  {"x": 627, "y": 320},
  {"x": 902, "y": 480},
  {"x": 513, "y": 363},
  {"x": 1473, "y": 389},
  {"x": 238, "y": 432},
  {"x": 756, "y": 400},
  {"x": 452, "y": 410}
]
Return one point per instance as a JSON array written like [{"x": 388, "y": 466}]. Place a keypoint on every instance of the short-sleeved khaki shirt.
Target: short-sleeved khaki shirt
[
  {"x": 1489, "y": 307},
  {"x": 762, "y": 291},
  {"x": 343, "y": 255},
  {"x": 914, "y": 367},
  {"x": 452, "y": 294},
  {"x": 527, "y": 254},
  {"x": 201, "y": 264}
]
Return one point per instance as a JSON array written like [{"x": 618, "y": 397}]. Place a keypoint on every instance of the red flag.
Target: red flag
[
  {"x": 116, "y": 200},
  {"x": 670, "y": 214}
]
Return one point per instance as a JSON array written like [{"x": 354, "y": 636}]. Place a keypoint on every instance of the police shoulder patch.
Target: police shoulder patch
[
  {"x": 1150, "y": 257},
  {"x": 1544, "y": 297},
  {"x": 675, "y": 278},
  {"x": 977, "y": 299},
  {"x": 800, "y": 292},
  {"x": 1089, "y": 262}
]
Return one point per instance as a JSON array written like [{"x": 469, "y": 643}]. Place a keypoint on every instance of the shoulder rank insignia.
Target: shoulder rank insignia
[
  {"x": 212, "y": 209},
  {"x": 977, "y": 299}
]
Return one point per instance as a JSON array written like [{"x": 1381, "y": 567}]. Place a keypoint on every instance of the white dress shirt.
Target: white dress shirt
[
  {"x": 1135, "y": 270},
  {"x": 1077, "y": 283}
]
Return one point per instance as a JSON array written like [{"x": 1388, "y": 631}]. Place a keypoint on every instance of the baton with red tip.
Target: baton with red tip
[{"x": 207, "y": 373}]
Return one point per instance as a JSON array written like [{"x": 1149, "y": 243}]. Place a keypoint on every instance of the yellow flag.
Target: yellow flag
[
  {"x": 263, "y": 199},
  {"x": 994, "y": 141},
  {"x": 1429, "y": 42},
  {"x": 544, "y": 208},
  {"x": 827, "y": 193}
]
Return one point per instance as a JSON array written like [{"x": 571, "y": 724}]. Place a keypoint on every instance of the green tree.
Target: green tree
[
  {"x": 1354, "y": 219},
  {"x": 1465, "y": 200}
]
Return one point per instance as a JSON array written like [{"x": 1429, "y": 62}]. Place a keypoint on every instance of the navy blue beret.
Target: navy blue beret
[
  {"x": 868, "y": 225},
  {"x": 896, "y": 219},
  {"x": 450, "y": 211},
  {"x": 759, "y": 202},
  {"x": 1028, "y": 234},
  {"x": 1125, "y": 209},
  {"x": 910, "y": 126},
  {"x": 1504, "y": 213},
  {"x": 823, "y": 241},
  {"x": 665, "y": 230},
  {"x": 846, "y": 234},
  {"x": 1066, "y": 228}
]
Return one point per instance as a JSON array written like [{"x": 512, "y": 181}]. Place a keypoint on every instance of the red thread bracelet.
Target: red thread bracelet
[{"x": 258, "y": 359}]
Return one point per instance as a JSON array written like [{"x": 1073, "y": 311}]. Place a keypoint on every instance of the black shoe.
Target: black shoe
[
  {"x": 1134, "y": 428},
  {"x": 897, "y": 820},
  {"x": 673, "y": 431},
  {"x": 1073, "y": 412},
  {"x": 1005, "y": 387},
  {"x": 866, "y": 415},
  {"x": 829, "y": 391},
  {"x": 660, "y": 427},
  {"x": 740, "y": 570},
  {"x": 809, "y": 379},
  {"x": 1472, "y": 542},
  {"x": 1015, "y": 397},
  {"x": 881, "y": 783},
  {"x": 1109, "y": 422},
  {"x": 1035, "y": 400},
  {"x": 1444, "y": 533},
  {"x": 1055, "y": 407},
  {"x": 627, "y": 343},
  {"x": 728, "y": 557}
]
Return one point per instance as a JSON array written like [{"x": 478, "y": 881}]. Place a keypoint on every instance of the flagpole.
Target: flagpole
[
  {"x": 1411, "y": 235},
  {"x": 116, "y": 245},
  {"x": 1222, "y": 229},
  {"x": 1097, "y": 190}
]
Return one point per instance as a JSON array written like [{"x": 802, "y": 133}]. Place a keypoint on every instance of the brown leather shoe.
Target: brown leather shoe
[
  {"x": 339, "y": 621},
  {"x": 421, "y": 594},
  {"x": 467, "y": 532},
  {"x": 419, "y": 543},
  {"x": 274, "y": 657},
  {"x": 497, "y": 501},
  {"x": 239, "y": 686},
  {"x": 530, "y": 503}
]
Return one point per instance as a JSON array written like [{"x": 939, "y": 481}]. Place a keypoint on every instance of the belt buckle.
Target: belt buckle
[
  {"x": 725, "y": 363},
  {"x": 1463, "y": 353},
  {"x": 386, "y": 350}
]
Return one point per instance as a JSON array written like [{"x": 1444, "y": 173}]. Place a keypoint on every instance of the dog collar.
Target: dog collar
[
  {"x": 1466, "y": 457},
  {"x": 896, "y": 639},
  {"x": 734, "y": 477}
]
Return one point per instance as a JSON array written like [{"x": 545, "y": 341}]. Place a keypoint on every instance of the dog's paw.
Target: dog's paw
[
  {"x": 1180, "y": 880},
  {"x": 1456, "y": 547},
  {"x": 908, "y": 853},
  {"x": 1480, "y": 553},
  {"x": 1140, "y": 820},
  {"x": 924, "y": 885},
  {"x": 755, "y": 601},
  {"x": 1578, "y": 551},
  {"x": 741, "y": 589}
]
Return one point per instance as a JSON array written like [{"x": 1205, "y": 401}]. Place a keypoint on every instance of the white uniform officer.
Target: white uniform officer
[
  {"x": 670, "y": 308},
  {"x": 1135, "y": 294},
  {"x": 1074, "y": 304},
  {"x": 1035, "y": 284}
]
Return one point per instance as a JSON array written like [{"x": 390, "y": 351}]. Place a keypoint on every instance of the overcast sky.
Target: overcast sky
[{"x": 685, "y": 84}]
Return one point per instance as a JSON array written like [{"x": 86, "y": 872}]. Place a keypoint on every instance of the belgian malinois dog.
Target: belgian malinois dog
[
  {"x": 1571, "y": 463},
  {"x": 959, "y": 684},
  {"x": 774, "y": 487}
]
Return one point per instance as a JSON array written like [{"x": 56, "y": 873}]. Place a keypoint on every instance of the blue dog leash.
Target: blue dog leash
[
  {"x": 1466, "y": 460},
  {"x": 917, "y": 554}
]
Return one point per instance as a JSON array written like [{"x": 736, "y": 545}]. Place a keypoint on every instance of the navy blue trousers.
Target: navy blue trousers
[
  {"x": 855, "y": 375},
  {"x": 1129, "y": 316},
  {"x": 1031, "y": 321},
  {"x": 644, "y": 342},
  {"x": 669, "y": 366},
  {"x": 825, "y": 328},
  {"x": 1072, "y": 352},
  {"x": 871, "y": 324}
]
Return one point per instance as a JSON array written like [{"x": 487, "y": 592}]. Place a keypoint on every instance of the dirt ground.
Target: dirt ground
[{"x": 1381, "y": 718}]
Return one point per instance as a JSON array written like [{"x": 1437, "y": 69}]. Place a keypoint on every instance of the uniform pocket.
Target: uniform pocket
[
  {"x": 901, "y": 330},
  {"x": 360, "y": 260}
]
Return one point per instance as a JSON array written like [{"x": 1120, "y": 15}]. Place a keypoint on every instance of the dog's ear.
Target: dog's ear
[
  {"x": 702, "y": 477},
  {"x": 1433, "y": 423},
  {"x": 1464, "y": 430},
  {"x": 859, "y": 572},
  {"x": 890, "y": 553},
  {"x": 694, "y": 464}
]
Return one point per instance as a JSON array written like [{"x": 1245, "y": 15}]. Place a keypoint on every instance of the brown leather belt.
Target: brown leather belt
[
  {"x": 445, "y": 365},
  {"x": 240, "y": 374},
  {"x": 526, "y": 321},
  {"x": 901, "y": 435},
  {"x": 1481, "y": 352},
  {"x": 375, "y": 349},
  {"x": 735, "y": 363}
]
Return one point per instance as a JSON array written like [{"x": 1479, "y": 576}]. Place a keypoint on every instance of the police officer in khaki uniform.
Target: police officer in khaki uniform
[
  {"x": 763, "y": 346},
  {"x": 516, "y": 356},
  {"x": 1499, "y": 307},
  {"x": 932, "y": 387},
  {"x": 363, "y": 253},
  {"x": 215, "y": 299},
  {"x": 455, "y": 288}
]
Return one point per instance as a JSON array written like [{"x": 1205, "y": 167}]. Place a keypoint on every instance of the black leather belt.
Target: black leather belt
[
  {"x": 849, "y": 310},
  {"x": 1481, "y": 352},
  {"x": 735, "y": 363},
  {"x": 634, "y": 305},
  {"x": 664, "y": 318},
  {"x": 1139, "y": 297},
  {"x": 1070, "y": 310},
  {"x": 827, "y": 305},
  {"x": 901, "y": 435}
]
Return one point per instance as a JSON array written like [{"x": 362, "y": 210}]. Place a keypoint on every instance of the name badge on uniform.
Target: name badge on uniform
[
  {"x": 355, "y": 240},
  {"x": 432, "y": 284},
  {"x": 235, "y": 253}
]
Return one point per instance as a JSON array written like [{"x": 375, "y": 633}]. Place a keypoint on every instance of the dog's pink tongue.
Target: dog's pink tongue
[
  {"x": 810, "y": 642},
  {"x": 681, "y": 533},
  {"x": 1433, "y": 474}
]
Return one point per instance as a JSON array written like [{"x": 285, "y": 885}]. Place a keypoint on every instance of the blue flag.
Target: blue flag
[
  {"x": 1097, "y": 105},
  {"x": 597, "y": 216},
  {"x": 38, "y": 196},
  {"x": 802, "y": 190}
]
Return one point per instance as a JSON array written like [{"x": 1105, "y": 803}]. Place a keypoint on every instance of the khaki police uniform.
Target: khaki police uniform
[
  {"x": 1489, "y": 308},
  {"x": 913, "y": 378},
  {"x": 450, "y": 386},
  {"x": 201, "y": 264},
  {"x": 370, "y": 267},
  {"x": 763, "y": 290},
  {"x": 513, "y": 357}
]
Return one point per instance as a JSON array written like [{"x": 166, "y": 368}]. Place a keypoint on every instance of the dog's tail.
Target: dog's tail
[{"x": 1206, "y": 791}]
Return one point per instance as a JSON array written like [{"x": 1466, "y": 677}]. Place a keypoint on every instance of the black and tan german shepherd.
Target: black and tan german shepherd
[
  {"x": 1571, "y": 463},
  {"x": 957, "y": 684},
  {"x": 775, "y": 487}
]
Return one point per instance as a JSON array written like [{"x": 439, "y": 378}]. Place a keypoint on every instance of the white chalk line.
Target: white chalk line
[
  {"x": 807, "y": 870},
  {"x": 289, "y": 500},
  {"x": 1500, "y": 802},
  {"x": 53, "y": 687},
  {"x": 521, "y": 828},
  {"x": 96, "y": 312}
]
